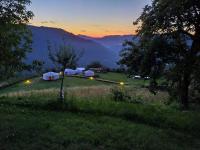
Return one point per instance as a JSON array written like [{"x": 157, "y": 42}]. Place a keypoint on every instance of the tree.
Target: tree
[
  {"x": 131, "y": 57},
  {"x": 15, "y": 38},
  {"x": 65, "y": 57},
  {"x": 37, "y": 66},
  {"x": 95, "y": 64},
  {"x": 170, "y": 41}
]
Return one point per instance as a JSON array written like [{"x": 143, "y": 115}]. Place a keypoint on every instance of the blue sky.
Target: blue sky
[{"x": 89, "y": 17}]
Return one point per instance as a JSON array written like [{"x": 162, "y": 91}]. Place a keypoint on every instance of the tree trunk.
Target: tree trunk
[
  {"x": 190, "y": 62},
  {"x": 186, "y": 79},
  {"x": 184, "y": 91},
  {"x": 61, "y": 87}
]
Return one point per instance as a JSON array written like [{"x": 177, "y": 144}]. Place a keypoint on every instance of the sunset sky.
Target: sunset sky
[{"x": 89, "y": 17}]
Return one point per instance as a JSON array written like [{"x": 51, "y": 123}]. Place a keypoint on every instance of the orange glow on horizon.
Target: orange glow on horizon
[{"x": 105, "y": 30}]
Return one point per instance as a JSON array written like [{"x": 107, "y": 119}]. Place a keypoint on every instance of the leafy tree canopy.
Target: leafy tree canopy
[
  {"x": 95, "y": 64},
  {"x": 15, "y": 38},
  {"x": 63, "y": 57},
  {"x": 169, "y": 45}
]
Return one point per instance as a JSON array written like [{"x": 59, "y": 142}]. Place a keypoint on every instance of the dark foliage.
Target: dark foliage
[
  {"x": 64, "y": 57},
  {"x": 169, "y": 46},
  {"x": 15, "y": 38},
  {"x": 95, "y": 64}
]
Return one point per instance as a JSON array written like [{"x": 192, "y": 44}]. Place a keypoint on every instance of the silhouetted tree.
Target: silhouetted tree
[
  {"x": 15, "y": 38},
  {"x": 65, "y": 57},
  {"x": 95, "y": 64},
  {"x": 37, "y": 66},
  {"x": 131, "y": 57},
  {"x": 170, "y": 44}
]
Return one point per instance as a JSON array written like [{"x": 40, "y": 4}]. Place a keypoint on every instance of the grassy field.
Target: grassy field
[
  {"x": 35, "y": 122},
  {"x": 38, "y": 83},
  {"x": 32, "y": 118},
  {"x": 85, "y": 88}
]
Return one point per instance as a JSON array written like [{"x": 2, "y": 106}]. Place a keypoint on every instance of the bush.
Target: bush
[
  {"x": 120, "y": 94},
  {"x": 95, "y": 64}
]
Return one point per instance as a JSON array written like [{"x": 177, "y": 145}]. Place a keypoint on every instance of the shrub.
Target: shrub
[{"x": 120, "y": 94}]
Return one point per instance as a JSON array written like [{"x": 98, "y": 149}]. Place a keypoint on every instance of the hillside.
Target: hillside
[
  {"x": 91, "y": 118},
  {"x": 112, "y": 42},
  {"x": 92, "y": 50}
]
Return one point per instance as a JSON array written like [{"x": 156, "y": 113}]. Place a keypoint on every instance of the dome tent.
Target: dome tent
[
  {"x": 70, "y": 72},
  {"x": 89, "y": 73},
  {"x": 50, "y": 76},
  {"x": 80, "y": 70}
]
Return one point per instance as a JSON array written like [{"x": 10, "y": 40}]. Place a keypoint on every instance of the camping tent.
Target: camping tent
[
  {"x": 80, "y": 70},
  {"x": 70, "y": 72},
  {"x": 50, "y": 76},
  {"x": 137, "y": 77},
  {"x": 89, "y": 73}
]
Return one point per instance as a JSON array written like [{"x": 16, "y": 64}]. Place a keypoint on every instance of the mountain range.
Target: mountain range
[
  {"x": 105, "y": 49},
  {"x": 111, "y": 42}
]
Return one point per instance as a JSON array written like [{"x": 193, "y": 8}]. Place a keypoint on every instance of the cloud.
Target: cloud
[
  {"x": 47, "y": 22},
  {"x": 52, "y": 22},
  {"x": 83, "y": 31},
  {"x": 107, "y": 31},
  {"x": 44, "y": 22}
]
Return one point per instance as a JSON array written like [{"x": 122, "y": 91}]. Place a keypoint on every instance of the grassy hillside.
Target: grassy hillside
[
  {"x": 32, "y": 118},
  {"x": 41, "y": 123},
  {"x": 38, "y": 83}
]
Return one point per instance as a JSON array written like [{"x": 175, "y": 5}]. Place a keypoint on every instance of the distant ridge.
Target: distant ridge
[
  {"x": 93, "y": 51},
  {"x": 112, "y": 42}
]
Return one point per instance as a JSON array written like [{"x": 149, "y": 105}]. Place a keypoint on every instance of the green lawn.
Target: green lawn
[
  {"x": 91, "y": 119},
  {"x": 29, "y": 124},
  {"x": 38, "y": 83},
  {"x": 123, "y": 77}
]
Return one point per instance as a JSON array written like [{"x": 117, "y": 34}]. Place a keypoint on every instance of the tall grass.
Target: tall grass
[
  {"x": 91, "y": 92},
  {"x": 97, "y": 101}
]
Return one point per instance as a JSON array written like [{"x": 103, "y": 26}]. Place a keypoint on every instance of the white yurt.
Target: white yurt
[
  {"x": 80, "y": 70},
  {"x": 70, "y": 72},
  {"x": 50, "y": 76},
  {"x": 89, "y": 73}
]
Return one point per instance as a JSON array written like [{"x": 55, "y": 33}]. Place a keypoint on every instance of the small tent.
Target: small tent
[
  {"x": 70, "y": 72},
  {"x": 89, "y": 73},
  {"x": 51, "y": 76},
  {"x": 80, "y": 70},
  {"x": 137, "y": 77}
]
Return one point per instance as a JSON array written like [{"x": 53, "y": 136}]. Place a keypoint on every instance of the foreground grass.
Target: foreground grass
[
  {"x": 33, "y": 129},
  {"x": 31, "y": 118},
  {"x": 35, "y": 122},
  {"x": 153, "y": 115}
]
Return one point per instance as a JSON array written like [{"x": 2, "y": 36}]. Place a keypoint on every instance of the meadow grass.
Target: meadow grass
[
  {"x": 141, "y": 94},
  {"x": 24, "y": 128},
  {"x": 90, "y": 100},
  {"x": 38, "y": 83},
  {"x": 32, "y": 118},
  {"x": 121, "y": 77},
  {"x": 37, "y": 121}
]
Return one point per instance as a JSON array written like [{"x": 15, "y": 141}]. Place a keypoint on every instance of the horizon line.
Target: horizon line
[{"x": 79, "y": 34}]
